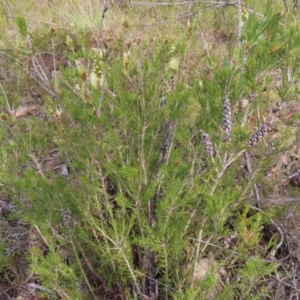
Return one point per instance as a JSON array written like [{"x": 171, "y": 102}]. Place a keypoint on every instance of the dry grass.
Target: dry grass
[{"x": 139, "y": 26}]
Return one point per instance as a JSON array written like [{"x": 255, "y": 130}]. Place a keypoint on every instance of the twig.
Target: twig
[
  {"x": 54, "y": 63},
  {"x": 282, "y": 200},
  {"x": 197, "y": 251},
  {"x": 190, "y": 14},
  {"x": 249, "y": 169},
  {"x": 205, "y": 44},
  {"x": 40, "y": 72},
  {"x": 199, "y": 241},
  {"x": 225, "y": 165},
  {"x": 41, "y": 235},
  {"x": 38, "y": 165},
  {"x": 81, "y": 268},
  {"x": 98, "y": 112},
  {"x": 218, "y": 3},
  {"x": 41, "y": 78},
  {"x": 105, "y": 8},
  {"x": 9, "y": 109},
  {"x": 245, "y": 115},
  {"x": 286, "y": 284},
  {"x": 40, "y": 288},
  {"x": 259, "y": 14},
  {"x": 240, "y": 24}
]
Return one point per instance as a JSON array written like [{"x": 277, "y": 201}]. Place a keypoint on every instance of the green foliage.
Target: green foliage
[
  {"x": 4, "y": 260},
  {"x": 54, "y": 273},
  {"x": 22, "y": 26},
  {"x": 255, "y": 272},
  {"x": 126, "y": 122},
  {"x": 250, "y": 230}
]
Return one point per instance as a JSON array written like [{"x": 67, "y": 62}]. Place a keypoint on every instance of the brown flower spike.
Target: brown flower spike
[
  {"x": 259, "y": 134},
  {"x": 208, "y": 146},
  {"x": 227, "y": 121}
]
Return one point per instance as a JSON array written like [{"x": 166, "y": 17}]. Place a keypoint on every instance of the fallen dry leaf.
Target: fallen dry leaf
[{"x": 25, "y": 109}]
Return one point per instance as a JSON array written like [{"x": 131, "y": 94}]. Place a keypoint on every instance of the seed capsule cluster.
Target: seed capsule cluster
[
  {"x": 98, "y": 66},
  {"x": 259, "y": 134},
  {"x": 227, "y": 126},
  {"x": 277, "y": 109},
  {"x": 208, "y": 146},
  {"x": 264, "y": 128},
  {"x": 167, "y": 129},
  {"x": 251, "y": 97},
  {"x": 98, "y": 62},
  {"x": 227, "y": 120},
  {"x": 229, "y": 241},
  {"x": 66, "y": 215}
]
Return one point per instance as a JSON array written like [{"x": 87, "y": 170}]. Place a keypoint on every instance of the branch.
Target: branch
[
  {"x": 249, "y": 169},
  {"x": 167, "y": 129},
  {"x": 225, "y": 165},
  {"x": 240, "y": 24},
  {"x": 214, "y": 4},
  {"x": 105, "y": 8}
]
